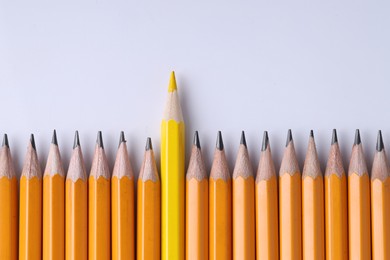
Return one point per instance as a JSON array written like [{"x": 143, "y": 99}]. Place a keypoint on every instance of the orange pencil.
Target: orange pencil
[
  {"x": 290, "y": 182},
  {"x": 122, "y": 205},
  {"x": 336, "y": 221},
  {"x": 220, "y": 206},
  {"x": 313, "y": 230},
  {"x": 8, "y": 204},
  {"x": 380, "y": 201},
  {"x": 267, "y": 233},
  {"x": 197, "y": 213},
  {"x": 148, "y": 208},
  {"x": 243, "y": 205},
  {"x": 30, "y": 218},
  {"x": 54, "y": 205},
  {"x": 359, "y": 204},
  {"x": 76, "y": 206},
  {"x": 99, "y": 222}
]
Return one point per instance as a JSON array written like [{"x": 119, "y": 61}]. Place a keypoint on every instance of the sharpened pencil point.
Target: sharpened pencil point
[
  {"x": 357, "y": 137},
  {"x": 289, "y": 137},
  {"x": 219, "y": 141},
  {"x": 5, "y": 141},
  {"x": 99, "y": 140},
  {"x": 122, "y": 138},
  {"x": 32, "y": 141},
  {"x": 311, "y": 133},
  {"x": 54, "y": 138},
  {"x": 334, "y": 136},
  {"x": 265, "y": 141},
  {"x": 172, "y": 83},
  {"x": 148, "y": 144},
  {"x": 243, "y": 140},
  {"x": 76, "y": 141},
  {"x": 196, "y": 140},
  {"x": 379, "y": 143}
]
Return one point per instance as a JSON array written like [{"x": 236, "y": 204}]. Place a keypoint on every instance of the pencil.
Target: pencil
[
  {"x": 30, "y": 222},
  {"x": 290, "y": 182},
  {"x": 267, "y": 226},
  {"x": 359, "y": 204},
  {"x": 220, "y": 206},
  {"x": 243, "y": 205},
  {"x": 76, "y": 206},
  {"x": 197, "y": 205},
  {"x": 172, "y": 177},
  {"x": 54, "y": 204},
  {"x": 99, "y": 205},
  {"x": 122, "y": 204},
  {"x": 313, "y": 230},
  {"x": 148, "y": 208},
  {"x": 380, "y": 201},
  {"x": 8, "y": 204},
  {"x": 336, "y": 224}
]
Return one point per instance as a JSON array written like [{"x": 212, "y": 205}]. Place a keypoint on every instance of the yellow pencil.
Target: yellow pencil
[
  {"x": 172, "y": 177},
  {"x": 359, "y": 204},
  {"x": 267, "y": 226},
  {"x": 99, "y": 222},
  {"x": 290, "y": 182},
  {"x": 54, "y": 205},
  {"x": 313, "y": 230},
  {"x": 122, "y": 205},
  {"x": 8, "y": 205},
  {"x": 380, "y": 201},
  {"x": 76, "y": 209},
  {"x": 30, "y": 221},
  {"x": 336, "y": 206}
]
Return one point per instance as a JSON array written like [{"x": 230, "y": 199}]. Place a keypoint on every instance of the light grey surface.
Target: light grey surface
[{"x": 104, "y": 65}]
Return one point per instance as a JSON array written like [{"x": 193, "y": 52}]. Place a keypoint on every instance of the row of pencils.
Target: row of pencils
[{"x": 228, "y": 216}]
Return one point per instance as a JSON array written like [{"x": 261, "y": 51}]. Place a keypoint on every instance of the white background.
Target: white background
[{"x": 104, "y": 65}]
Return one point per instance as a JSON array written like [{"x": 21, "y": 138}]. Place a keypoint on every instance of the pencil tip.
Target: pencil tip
[
  {"x": 243, "y": 140},
  {"x": 99, "y": 140},
  {"x": 54, "y": 138},
  {"x": 289, "y": 137},
  {"x": 219, "y": 141},
  {"x": 357, "y": 137},
  {"x": 379, "y": 144},
  {"x": 265, "y": 141},
  {"x": 196, "y": 140},
  {"x": 76, "y": 141},
  {"x": 32, "y": 141},
  {"x": 122, "y": 138},
  {"x": 148, "y": 144},
  {"x": 334, "y": 136},
  {"x": 311, "y": 133},
  {"x": 172, "y": 83},
  {"x": 5, "y": 141}
]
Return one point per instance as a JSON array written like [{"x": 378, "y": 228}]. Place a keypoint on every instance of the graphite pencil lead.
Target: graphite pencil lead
[
  {"x": 172, "y": 83},
  {"x": 196, "y": 140},
  {"x": 76, "y": 141},
  {"x": 5, "y": 141},
  {"x": 219, "y": 141},
  {"x": 311, "y": 133},
  {"x": 54, "y": 138},
  {"x": 379, "y": 144},
  {"x": 265, "y": 141},
  {"x": 99, "y": 140},
  {"x": 334, "y": 136},
  {"x": 243, "y": 140},
  {"x": 148, "y": 145},
  {"x": 32, "y": 141},
  {"x": 289, "y": 137},
  {"x": 122, "y": 138},
  {"x": 357, "y": 137}
]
